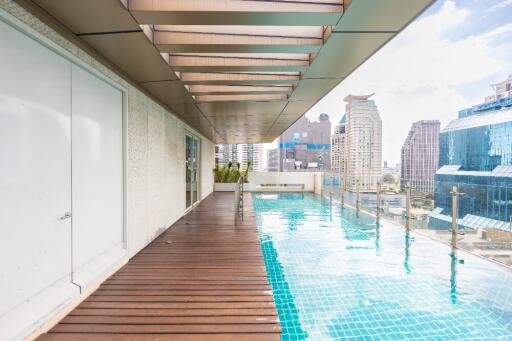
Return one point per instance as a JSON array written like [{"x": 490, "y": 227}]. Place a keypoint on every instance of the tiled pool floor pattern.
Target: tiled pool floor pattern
[{"x": 335, "y": 276}]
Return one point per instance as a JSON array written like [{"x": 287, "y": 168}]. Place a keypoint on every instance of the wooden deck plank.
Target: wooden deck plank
[
  {"x": 161, "y": 337},
  {"x": 165, "y": 328},
  {"x": 172, "y": 312},
  {"x": 181, "y": 320},
  {"x": 202, "y": 279}
]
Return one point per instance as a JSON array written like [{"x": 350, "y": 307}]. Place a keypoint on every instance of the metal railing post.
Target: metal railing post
[
  {"x": 377, "y": 215},
  {"x": 358, "y": 197},
  {"x": 242, "y": 197},
  {"x": 330, "y": 190},
  {"x": 343, "y": 184},
  {"x": 455, "y": 225},
  {"x": 408, "y": 206},
  {"x": 239, "y": 198}
]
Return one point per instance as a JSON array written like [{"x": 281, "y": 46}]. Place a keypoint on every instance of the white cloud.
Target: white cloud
[
  {"x": 500, "y": 5},
  {"x": 418, "y": 74}
]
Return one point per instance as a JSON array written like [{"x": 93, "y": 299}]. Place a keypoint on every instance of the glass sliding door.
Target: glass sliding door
[
  {"x": 195, "y": 178},
  {"x": 191, "y": 167}
]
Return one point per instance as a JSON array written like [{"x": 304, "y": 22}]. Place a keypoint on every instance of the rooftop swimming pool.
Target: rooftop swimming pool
[{"x": 336, "y": 275}]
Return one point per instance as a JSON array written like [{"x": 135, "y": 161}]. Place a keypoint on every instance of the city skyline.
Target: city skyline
[
  {"x": 240, "y": 153},
  {"x": 455, "y": 61}
]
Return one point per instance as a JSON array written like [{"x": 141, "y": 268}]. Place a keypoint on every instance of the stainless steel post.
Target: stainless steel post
[
  {"x": 343, "y": 183},
  {"x": 358, "y": 198},
  {"x": 455, "y": 225},
  {"x": 330, "y": 190},
  {"x": 408, "y": 206},
  {"x": 378, "y": 203}
]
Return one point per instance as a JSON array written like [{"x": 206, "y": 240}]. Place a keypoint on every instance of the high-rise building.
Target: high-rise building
[
  {"x": 475, "y": 152},
  {"x": 251, "y": 152},
  {"x": 363, "y": 152},
  {"x": 273, "y": 160},
  {"x": 338, "y": 146},
  {"x": 420, "y": 156},
  {"x": 306, "y": 145},
  {"x": 226, "y": 153},
  {"x": 240, "y": 153}
]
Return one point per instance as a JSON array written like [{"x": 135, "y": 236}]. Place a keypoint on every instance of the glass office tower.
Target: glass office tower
[{"x": 475, "y": 154}]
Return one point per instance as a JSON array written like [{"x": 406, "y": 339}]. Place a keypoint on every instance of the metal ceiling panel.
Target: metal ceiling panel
[
  {"x": 298, "y": 108},
  {"x": 242, "y": 108},
  {"x": 201, "y": 62},
  {"x": 133, "y": 53},
  {"x": 344, "y": 52},
  {"x": 238, "y": 89},
  {"x": 313, "y": 88},
  {"x": 240, "y": 97},
  {"x": 169, "y": 92},
  {"x": 380, "y": 15},
  {"x": 90, "y": 16},
  {"x": 231, "y": 18},
  {"x": 238, "y": 5},
  {"x": 237, "y": 48},
  {"x": 236, "y": 70}
]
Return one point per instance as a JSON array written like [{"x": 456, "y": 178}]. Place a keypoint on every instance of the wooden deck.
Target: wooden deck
[{"x": 202, "y": 279}]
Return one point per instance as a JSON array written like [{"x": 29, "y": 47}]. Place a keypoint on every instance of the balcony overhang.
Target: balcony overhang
[{"x": 239, "y": 71}]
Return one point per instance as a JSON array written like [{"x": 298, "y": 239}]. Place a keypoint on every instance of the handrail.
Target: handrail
[{"x": 239, "y": 198}]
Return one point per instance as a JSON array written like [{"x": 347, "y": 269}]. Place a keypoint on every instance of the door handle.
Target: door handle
[{"x": 66, "y": 215}]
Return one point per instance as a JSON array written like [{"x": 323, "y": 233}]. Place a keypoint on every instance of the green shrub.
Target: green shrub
[{"x": 230, "y": 173}]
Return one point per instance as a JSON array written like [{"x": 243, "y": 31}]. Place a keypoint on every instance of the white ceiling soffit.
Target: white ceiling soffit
[{"x": 239, "y": 71}]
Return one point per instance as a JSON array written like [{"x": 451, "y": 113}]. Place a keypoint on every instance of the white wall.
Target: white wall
[
  {"x": 155, "y": 156},
  {"x": 280, "y": 178},
  {"x": 207, "y": 165}
]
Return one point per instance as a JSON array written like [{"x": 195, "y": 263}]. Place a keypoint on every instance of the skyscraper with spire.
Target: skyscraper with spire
[{"x": 362, "y": 155}]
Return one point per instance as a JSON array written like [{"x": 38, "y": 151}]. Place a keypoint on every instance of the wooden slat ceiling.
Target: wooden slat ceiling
[{"x": 239, "y": 71}]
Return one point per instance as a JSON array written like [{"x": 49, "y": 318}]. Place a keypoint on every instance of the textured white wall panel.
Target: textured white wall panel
[{"x": 171, "y": 164}]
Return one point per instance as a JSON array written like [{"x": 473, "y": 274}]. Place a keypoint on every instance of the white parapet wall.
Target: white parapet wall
[{"x": 284, "y": 181}]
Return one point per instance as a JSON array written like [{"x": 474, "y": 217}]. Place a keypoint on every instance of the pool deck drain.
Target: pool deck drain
[{"x": 204, "y": 278}]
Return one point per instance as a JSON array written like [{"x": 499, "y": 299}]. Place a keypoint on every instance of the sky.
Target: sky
[{"x": 441, "y": 63}]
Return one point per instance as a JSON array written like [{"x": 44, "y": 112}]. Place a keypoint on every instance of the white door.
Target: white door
[
  {"x": 35, "y": 181},
  {"x": 97, "y": 168}
]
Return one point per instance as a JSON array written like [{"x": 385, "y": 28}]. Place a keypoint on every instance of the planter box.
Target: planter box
[{"x": 227, "y": 187}]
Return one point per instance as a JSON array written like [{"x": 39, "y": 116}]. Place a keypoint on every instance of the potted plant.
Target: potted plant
[{"x": 227, "y": 176}]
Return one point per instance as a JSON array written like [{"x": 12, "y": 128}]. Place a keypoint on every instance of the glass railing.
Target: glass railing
[{"x": 483, "y": 220}]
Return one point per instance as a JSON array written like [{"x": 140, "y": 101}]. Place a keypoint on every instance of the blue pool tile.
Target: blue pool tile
[{"x": 335, "y": 277}]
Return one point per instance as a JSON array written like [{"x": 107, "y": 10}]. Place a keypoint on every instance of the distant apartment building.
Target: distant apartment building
[
  {"x": 363, "y": 144},
  {"x": 306, "y": 145},
  {"x": 273, "y": 160},
  {"x": 475, "y": 154},
  {"x": 338, "y": 146},
  {"x": 420, "y": 156},
  {"x": 253, "y": 153},
  {"x": 240, "y": 153}
]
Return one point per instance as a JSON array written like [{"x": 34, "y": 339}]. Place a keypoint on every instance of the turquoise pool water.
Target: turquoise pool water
[{"x": 336, "y": 276}]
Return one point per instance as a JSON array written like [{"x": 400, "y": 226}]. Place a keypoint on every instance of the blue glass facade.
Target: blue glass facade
[
  {"x": 486, "y": 107},
  {"x": 480, "y": 148},
  {"x": 484, "y": 195},
  {"x": 480, "y": 143}
]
